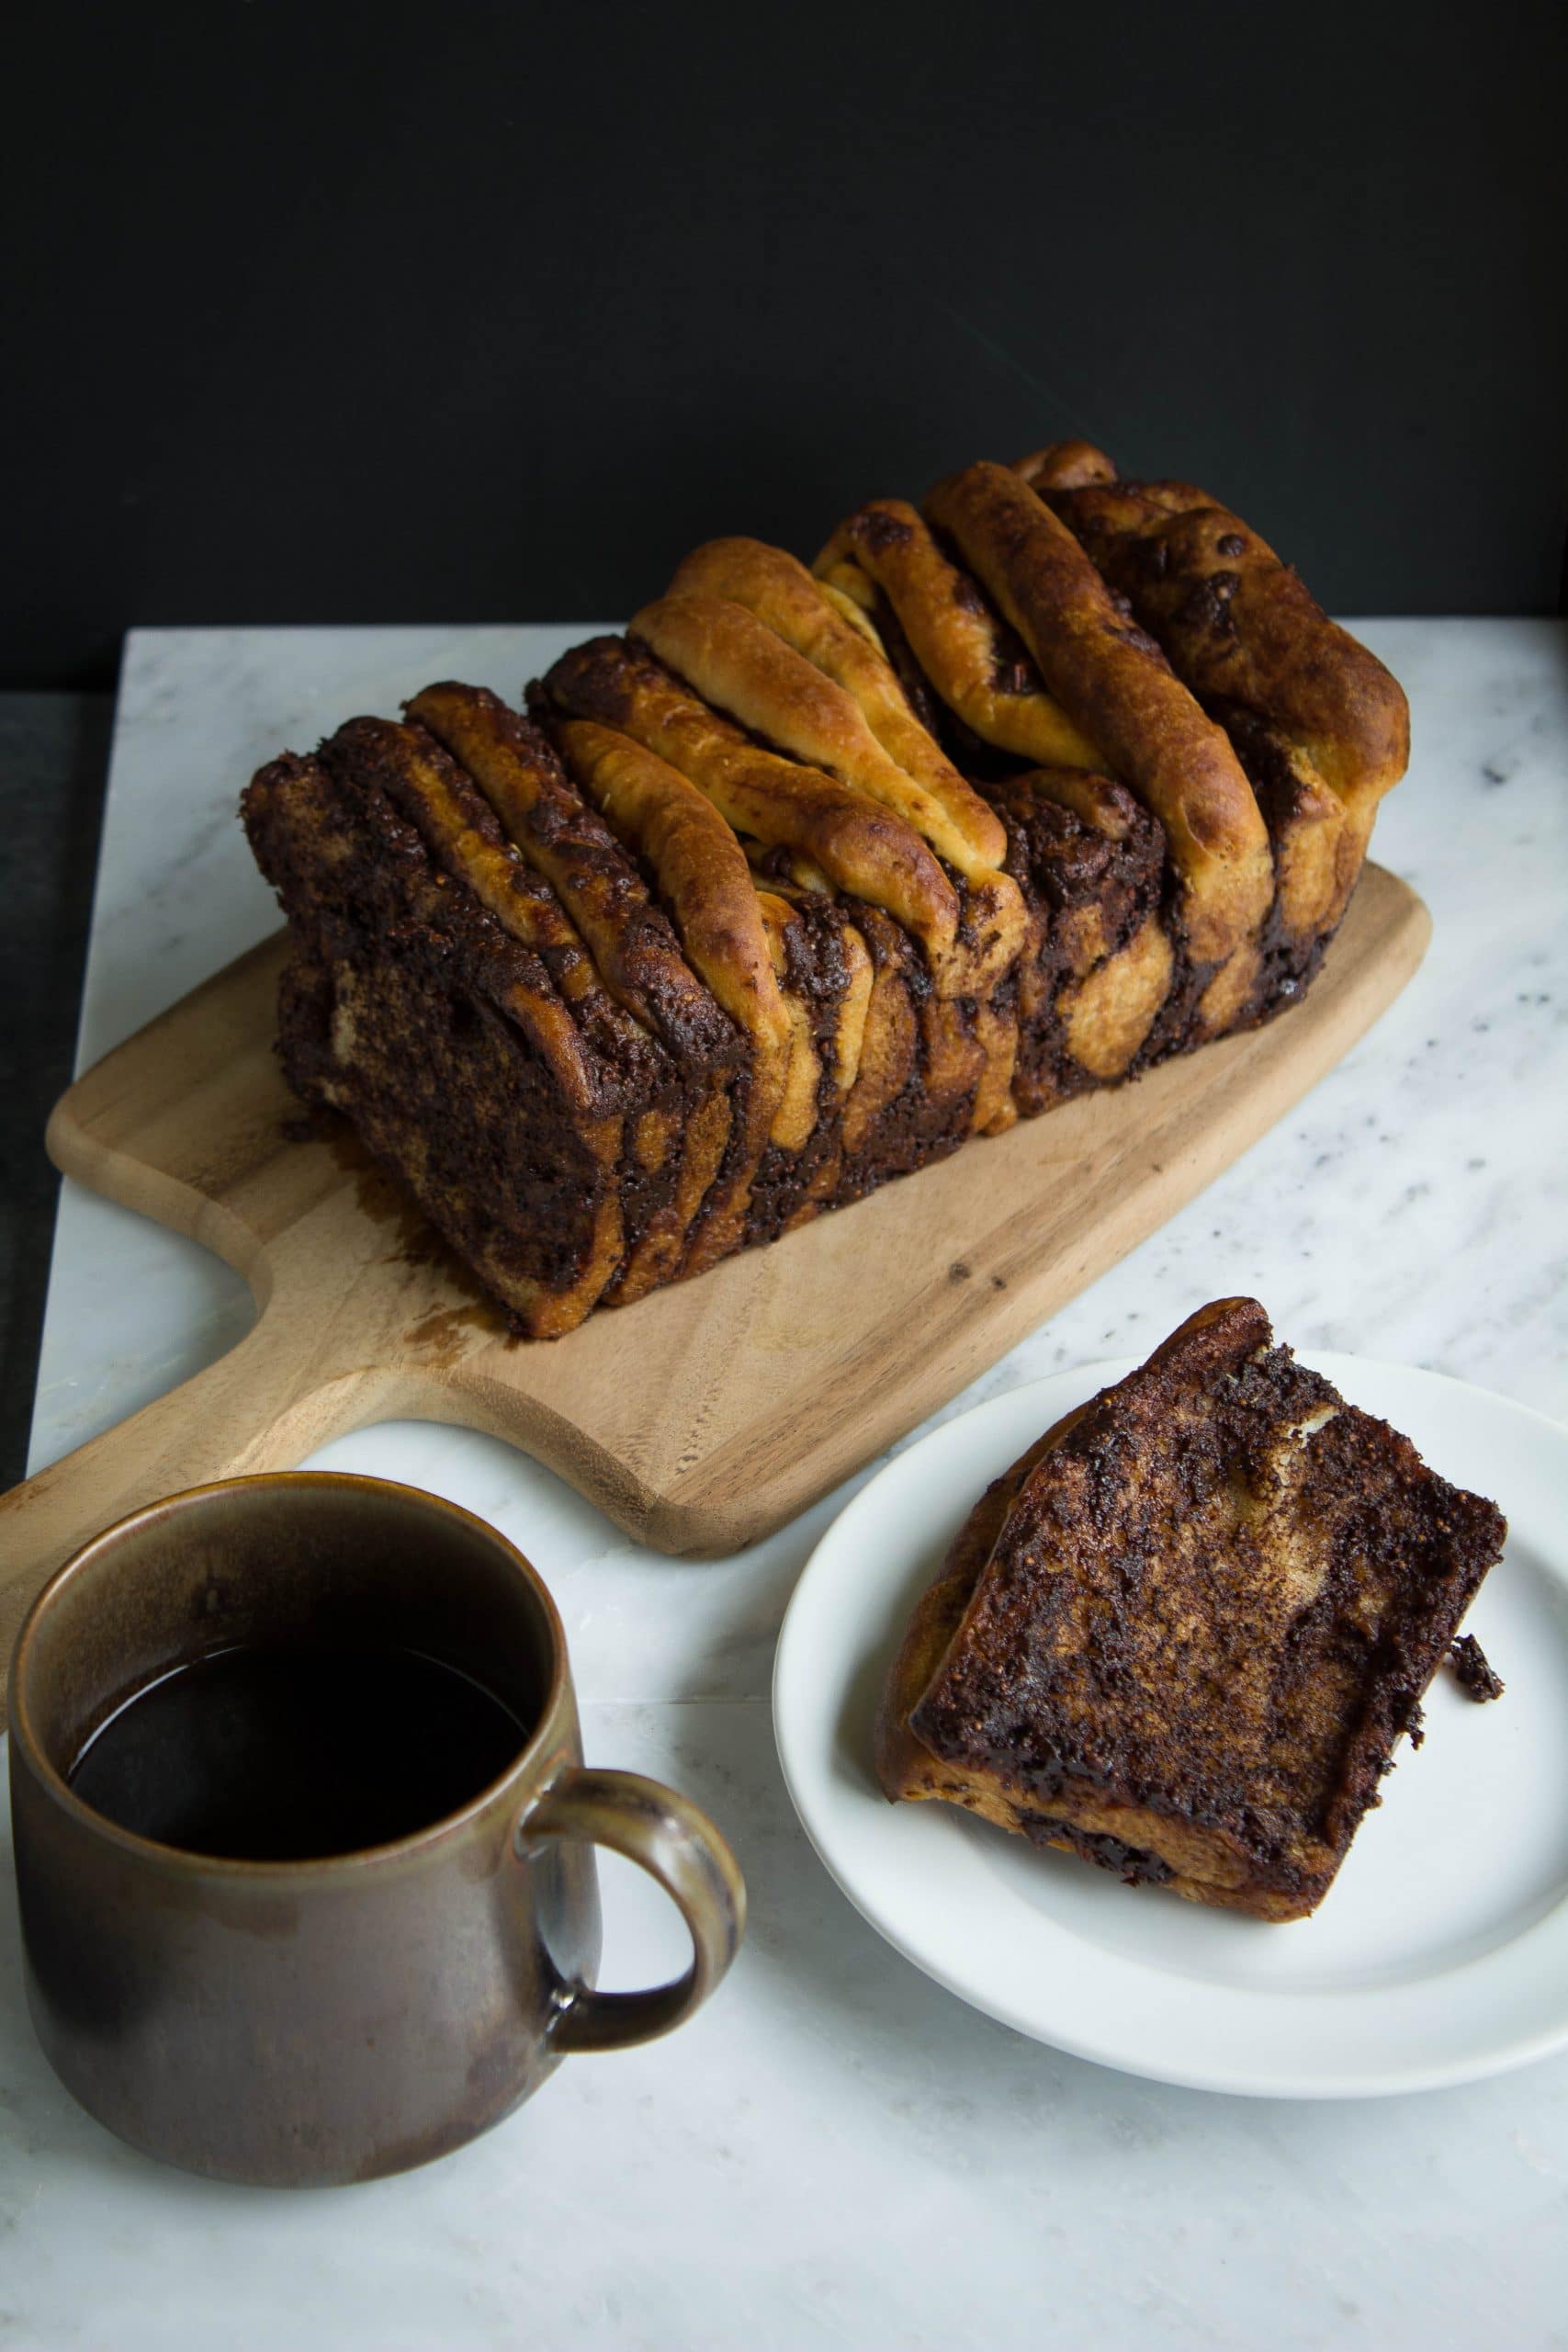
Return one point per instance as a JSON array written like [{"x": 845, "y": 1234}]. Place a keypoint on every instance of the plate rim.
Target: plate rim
[{"x": 1507, "y": 2052}]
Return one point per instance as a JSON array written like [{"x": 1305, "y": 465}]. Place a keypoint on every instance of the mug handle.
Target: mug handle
[{"x": 676, "y": 1843}]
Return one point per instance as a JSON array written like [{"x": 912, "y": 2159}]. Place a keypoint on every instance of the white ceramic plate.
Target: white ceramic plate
[{"x": 1440, "y": 1952}]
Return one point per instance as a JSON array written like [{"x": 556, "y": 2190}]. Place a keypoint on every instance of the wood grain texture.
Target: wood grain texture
[{"x": 706, "y": 1415}]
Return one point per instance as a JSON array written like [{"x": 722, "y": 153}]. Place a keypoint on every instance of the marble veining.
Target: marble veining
[{"x": 837, "y": 2150}]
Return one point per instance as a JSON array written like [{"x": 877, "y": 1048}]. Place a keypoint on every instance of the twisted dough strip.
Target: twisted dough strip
[
  {"x": 783, "y": 595},
  {"x": 954, "y": 635},
  {"x": 733, "y": 659},
  {"x": 705, "y": 879},
  {"x": 1321, "y": 726},
  {"x": 432, "y": 794},
  {"x": 736, "y": 938},
  {"x": 737, "y": 663},
  {"x": 866, "y": 850},
  {"x": 1115, "y": 683},
  {"x": 1237, "y": 621},
  {"x": 1107, "y": 1014},
  {"x": 703, "y": 876},
  {"x": 637, "y": 953}
]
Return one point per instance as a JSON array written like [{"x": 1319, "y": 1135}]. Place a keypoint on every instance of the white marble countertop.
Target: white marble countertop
[{"x": 837, "y": 2151}]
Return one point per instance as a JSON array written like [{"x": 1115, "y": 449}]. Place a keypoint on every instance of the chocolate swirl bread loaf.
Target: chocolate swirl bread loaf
[{"x": 813, "y": 874}]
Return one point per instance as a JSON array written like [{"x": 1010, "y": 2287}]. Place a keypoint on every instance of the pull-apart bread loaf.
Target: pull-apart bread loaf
[
  {"x": 1181, "y": 1636},
  {"x": 814, "y": 874}
]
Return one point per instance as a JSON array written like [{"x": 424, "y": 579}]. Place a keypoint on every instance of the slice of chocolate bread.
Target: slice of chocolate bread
[{"x": 1183, "y": 1635}]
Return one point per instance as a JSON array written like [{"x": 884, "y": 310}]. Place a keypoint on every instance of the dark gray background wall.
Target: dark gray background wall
[{"x": 380, "y": 311}]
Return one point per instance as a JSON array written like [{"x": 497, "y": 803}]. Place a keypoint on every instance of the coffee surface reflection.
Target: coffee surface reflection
[{"x": 288, "y": 1753}]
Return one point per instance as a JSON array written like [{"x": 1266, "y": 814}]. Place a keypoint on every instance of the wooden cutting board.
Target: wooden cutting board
[{"x": 704, "y": 1416}]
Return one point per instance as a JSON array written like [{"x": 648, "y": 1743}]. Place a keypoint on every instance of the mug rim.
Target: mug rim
[{"x": 153, "y": 1850}]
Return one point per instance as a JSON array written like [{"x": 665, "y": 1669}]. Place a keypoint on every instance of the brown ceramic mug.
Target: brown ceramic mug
[{"x": 296, "y": 2022}]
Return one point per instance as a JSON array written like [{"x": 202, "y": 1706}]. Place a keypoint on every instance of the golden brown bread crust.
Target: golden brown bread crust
[
  {"x": 737, "y": 664},
  {"x": 1183, "y": 1635},
  {"x": 1095, "y": 800},
  {"x": 1115, "y": 683},
  {"x": 990, "y": 683},
  {"x": 866, "y": 850},
  {"x": 1321, "y": 730},
  {"x": 884, "y": 564},
  {"x": 781, "y": 593},
  {"x": 1238, "y": 625},
  {"x": 1066, "y": 465}
]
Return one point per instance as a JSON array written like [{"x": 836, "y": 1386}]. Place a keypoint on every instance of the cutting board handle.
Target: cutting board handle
[{"x": 258, "y": 1407}]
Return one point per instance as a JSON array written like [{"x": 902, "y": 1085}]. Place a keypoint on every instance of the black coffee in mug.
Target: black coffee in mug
[
  {"x": 361, "y": 1922},
  {"x": 287, "y": 1753}
]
